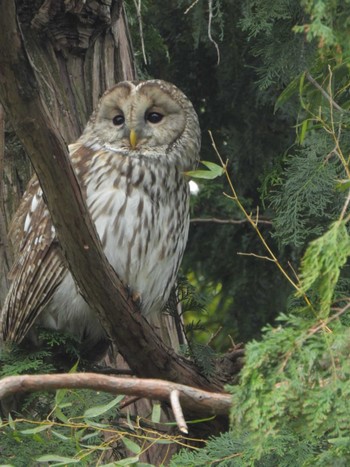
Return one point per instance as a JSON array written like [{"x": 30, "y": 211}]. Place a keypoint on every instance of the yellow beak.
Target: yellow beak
[{"x": 133, "y": 139}]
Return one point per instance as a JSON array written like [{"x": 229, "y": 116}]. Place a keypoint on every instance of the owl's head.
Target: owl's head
[{"x": 146, "y": 119}]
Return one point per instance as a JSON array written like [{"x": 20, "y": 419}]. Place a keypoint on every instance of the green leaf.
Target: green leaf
[
  {"x": 90, "y": 435},
  {"x": 38, "y": 429},
  {"x": 303, "y": 131},
  {"x": 156, "y": 412},
  {"x": 60, "y": 395},
  {"x": 11, "y": 422},
  {"x": 93, "y": 424},
  {"x": 60, "y": 415},
  {"x": 101, "y": 409},
  {"x": 56, "y": 458},
  {"x": 288, "y": 92},
  {"x": 132, "y": 446},
  {"x": 127, "y": 461},
  {"x": 129, "y": 421},
  {"x": 60, "y": 436},
  {"x": 214, "y": 171},
  {"x": 343, "y": 186},
  {"x": 74, "y": 367}
]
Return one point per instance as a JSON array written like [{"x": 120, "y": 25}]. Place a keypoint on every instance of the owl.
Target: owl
[{"x": 131, "y": 162}]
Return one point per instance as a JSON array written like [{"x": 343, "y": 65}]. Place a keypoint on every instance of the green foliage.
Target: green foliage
[
  {"x": 322, "y": 263},
  {"x": 304, "y": 198},
  {"x": 224, "y": 451},
  {"x": 16, "y": 361},
  {"x": 73, "y": 431},
  {"x": 328, "y": 24}
]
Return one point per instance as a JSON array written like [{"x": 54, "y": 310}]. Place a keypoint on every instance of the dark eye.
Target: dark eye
[
  {"x": 154, "y": 117},
  {"x": 118, "y": 120}
]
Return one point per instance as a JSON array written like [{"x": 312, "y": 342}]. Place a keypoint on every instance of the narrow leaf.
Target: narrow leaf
[
  {"x": 127, "y": 461},
  {"x": 60, "y": 415},
  {"x": 60, "y": 436},
  {"x": 288, "y": 92},
  {"x": 38, "y": 429},
  {"x": 101, "y": 409},
  {"x": 214, "y": 171},
  {"x": 132, "y": 446},
  {"x": 11, "y": 422},
  {"x": 56, "y": 458},
  {"x": 156, "y": 411}
]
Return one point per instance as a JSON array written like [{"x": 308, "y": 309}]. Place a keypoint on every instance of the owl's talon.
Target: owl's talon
[{"x": 136, "y": 298}]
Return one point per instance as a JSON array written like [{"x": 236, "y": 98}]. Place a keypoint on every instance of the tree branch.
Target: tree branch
[
  {"x": 20, "y": 95},
  {"x": 323, "y": 92},
  {"x": 215, "y": 220},
  {"x": 193, "y": 399}
]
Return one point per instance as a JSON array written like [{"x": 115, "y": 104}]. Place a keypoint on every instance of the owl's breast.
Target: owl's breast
[{"x": 142, "y": 217}]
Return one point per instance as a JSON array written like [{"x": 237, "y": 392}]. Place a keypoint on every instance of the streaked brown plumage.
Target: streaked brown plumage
[{"x": 130, "y": 162}]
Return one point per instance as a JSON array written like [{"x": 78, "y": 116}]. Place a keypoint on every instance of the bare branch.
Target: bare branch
[
  {"x": 216, "y": 220},
  {"x": 210, "y": 7},
  {"x": 190, "y": 7},
  {"x": 138, "y": 6},
  {"x": 323, "y": 92},
  {"x": 267, "y": 258},
  {"x": 177, "y": 411},
  {"x": 195, "y": 400}
]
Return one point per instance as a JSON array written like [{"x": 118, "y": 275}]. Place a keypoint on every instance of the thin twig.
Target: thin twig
[
  {"x": 323, "y": 92},
  {"x": 138, "y": 6},
  {"x": 216, "y": 220},
  {"x": 214, "y": 335},
  {"x": 177, "y": 411},
  {"x": 345, "y": 207},
  {"x": 191, "y": 6},
  {"x": 128, "y": 401},
  {"x": 210, "y": 7},
  {"x": 325, "y": 323},
  {"x": 267, "y": 258},
  {"x": 272, "y": 256}
]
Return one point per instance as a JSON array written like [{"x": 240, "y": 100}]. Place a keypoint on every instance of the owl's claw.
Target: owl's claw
[
  {"x": 136, "y": 298},
  {"x": 134, "y": 295}
]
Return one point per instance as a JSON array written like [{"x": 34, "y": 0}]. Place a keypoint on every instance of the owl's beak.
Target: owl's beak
[{"x": 133, "y": 138}]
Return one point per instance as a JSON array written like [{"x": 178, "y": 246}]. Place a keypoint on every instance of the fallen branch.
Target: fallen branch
[{"x": 193, "y": 399}]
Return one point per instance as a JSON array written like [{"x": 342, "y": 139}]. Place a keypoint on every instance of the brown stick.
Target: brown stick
[{"x": 193, "y": 399}]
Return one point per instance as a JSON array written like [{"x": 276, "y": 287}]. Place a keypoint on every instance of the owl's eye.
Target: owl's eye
[
  {"x": 154, "y": 117},
  {"x": 118, "y": 120}
]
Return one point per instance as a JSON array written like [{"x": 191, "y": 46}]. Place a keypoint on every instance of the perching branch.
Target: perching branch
[{"x": 193, "y": 399}]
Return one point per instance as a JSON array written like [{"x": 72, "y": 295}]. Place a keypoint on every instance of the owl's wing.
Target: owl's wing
[{"x": 39, "y": 267}]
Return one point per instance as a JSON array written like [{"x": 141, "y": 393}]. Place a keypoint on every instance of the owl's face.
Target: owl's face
[{"x": 145, "y": 118}]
